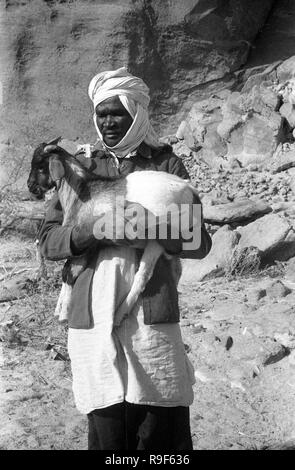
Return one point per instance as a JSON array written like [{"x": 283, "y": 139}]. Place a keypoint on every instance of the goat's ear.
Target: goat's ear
[
  {"x": 56, "y": 169},
  {"x": 54, "y": 141}
]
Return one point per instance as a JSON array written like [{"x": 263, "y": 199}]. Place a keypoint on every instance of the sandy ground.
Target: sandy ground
[{"x": 242, "y": 350}]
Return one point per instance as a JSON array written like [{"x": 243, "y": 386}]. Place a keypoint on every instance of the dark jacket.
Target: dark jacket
[{"x": 160, "y": 298}]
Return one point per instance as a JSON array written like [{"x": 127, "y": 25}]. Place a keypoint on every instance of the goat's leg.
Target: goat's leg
[
  {"x": 42, "y": 271},
  {"x": 59, "y": 305},
  {"x": 151, "y": 254},
  {"x": 65, "y": 307},
  {"x": 63, "y": 302}
]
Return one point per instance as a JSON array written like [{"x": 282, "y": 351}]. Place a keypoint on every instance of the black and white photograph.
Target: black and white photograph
[{"x": 147, "y": 227}]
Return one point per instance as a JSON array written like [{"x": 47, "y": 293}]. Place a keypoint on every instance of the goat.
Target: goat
[{"x": 83, "y": 195}]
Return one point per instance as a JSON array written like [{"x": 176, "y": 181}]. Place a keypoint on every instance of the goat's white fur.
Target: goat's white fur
[{"x": 151, "y": 189}]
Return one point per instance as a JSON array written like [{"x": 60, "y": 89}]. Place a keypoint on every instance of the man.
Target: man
[{"x": 134, "y": 381}]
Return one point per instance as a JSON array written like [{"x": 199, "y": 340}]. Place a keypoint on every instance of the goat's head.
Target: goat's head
[
  {"x": 50, "y": 165},
  {"x": 64, "y": 166},
  {"x": 40, "y": 181}
]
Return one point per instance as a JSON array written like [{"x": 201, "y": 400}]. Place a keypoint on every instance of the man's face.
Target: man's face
[{"x": 113, "y": 120}]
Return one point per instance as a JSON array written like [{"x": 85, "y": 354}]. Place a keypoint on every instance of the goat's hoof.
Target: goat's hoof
[
  {"x": 57, "y": 312},
  {"x": 63, "y": 316}
]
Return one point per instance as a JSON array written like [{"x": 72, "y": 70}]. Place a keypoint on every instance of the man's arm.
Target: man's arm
[
  {"x": 59, "y": 242},
  {"x": 54, "y": 239}
]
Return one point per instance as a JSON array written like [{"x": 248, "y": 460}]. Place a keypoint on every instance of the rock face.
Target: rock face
[
  {"x": 238, "y": 211},
  {"x": 276, "y": 39},
  {"x": 201, "y": 127},
  {"x": 251, "y": 125},
  {"x": 245, "y": 127},
  {"x": 51, "y": 49},
  {"x": 266, "y": 233}
]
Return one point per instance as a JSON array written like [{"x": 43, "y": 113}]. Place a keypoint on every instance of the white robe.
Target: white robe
[{"x": 142, "y": 364}]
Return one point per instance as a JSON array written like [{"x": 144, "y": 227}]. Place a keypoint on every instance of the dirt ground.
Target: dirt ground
[{"x": 240, "y": 341}]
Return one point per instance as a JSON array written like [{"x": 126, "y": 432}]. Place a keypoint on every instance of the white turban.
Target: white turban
[{"x": 134, "y": 95}]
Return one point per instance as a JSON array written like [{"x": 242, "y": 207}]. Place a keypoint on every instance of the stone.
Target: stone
[
  {"x": 215, "y": 263},
  {"x": 257, "y": 352},
  {"x": 277, "y": 289},
  {"x": 255, "y": 295},
  {"x": 256, "y": 140},
  {"x": 291, "y": 360},
  {"x": 285, "y": 250},
  {"x": 181, "y": 130},
  {"x": 287, "y": 110},
  {"x": 266, "y": 233},
  {"x": 184, "y": 132},
  {"x": 279, "y": 205},
  {"x": 282, "y": 161},
  {"x": 287, "y": 339},
  {"x": 232, "y": 114},
  {"x": 276, "y": 356},
  {"x": 287, "y": 91},
  {"x": 290, "y": 270},
  {"x": 237, "y": 211},
  {"x": 254, "y": 76},
  {"x": 251, "y": 125},
  {"x": 182, "y": 150},
  {"x": 263, "y": 99},
  {"x": 203, "y": 120},
  {"x": 252, "y": 167}
]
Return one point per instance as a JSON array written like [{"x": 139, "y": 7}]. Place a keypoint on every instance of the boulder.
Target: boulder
[
  {"x": 259, "y": 353},
  {"x": 285, "y": 250},
  {"x": 182, "y": 150},
  {"x": 290, "y": 270},
  {"x": 283, "y": 159},
  {"x": 251, "y": 125},
  {"x": 287, "y": 110},
  {"x": 233, "y": 113},
  {"x": 216, "y": 262},
  {"x": 254, "y": 295},
  {"x": 184, "y": 132},
  {"x": 267, "y": 233},
  {"x": 260, "y": 74},
  {"x": 203, "y": 120},
  {"x": 277, "y": 289},
  {"x": 238, "y": 211}
]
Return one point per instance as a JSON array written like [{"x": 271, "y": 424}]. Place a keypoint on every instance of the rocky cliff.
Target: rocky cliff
[{"x": 50, "y": 49}]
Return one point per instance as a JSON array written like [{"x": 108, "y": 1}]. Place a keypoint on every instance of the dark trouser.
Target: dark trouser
[{"x": 125, "y": 426}]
